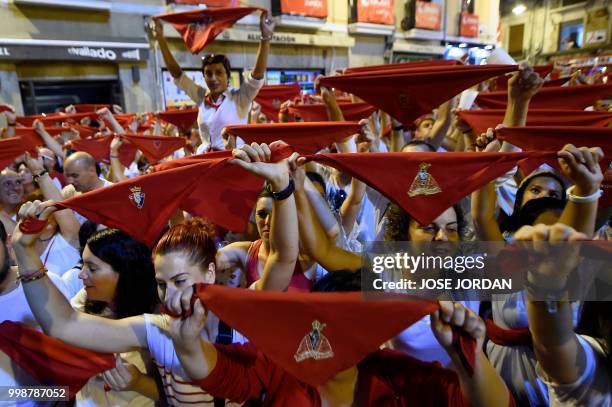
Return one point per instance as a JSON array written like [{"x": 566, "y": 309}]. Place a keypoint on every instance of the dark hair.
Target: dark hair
[
  {"x": 136, "y": 291},
  {"x": 511, "y": 223},
  {"x": 264, "y": 193},
  {"x": 194, "y": 237},
  {"x": 217, "y": 59},
  {"x": 535, "y": 207},
  {"x": 417, "y": 142},
  {"x": 398, "y": 221},
  {"x": 316, "y": 177},
  {"x": 339, "y": 281},
  {"x": 87, "y": 229}
]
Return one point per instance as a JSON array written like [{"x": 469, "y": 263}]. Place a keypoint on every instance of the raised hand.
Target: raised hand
[
  {"x": 581, "y": 165},
  {"x": 255, "y": 159},
  {"x": 266, "y": 25},
  {"x": 458, "y": 316},
  {"x": 524, "y": 84},
  {"x": 35, "y": 210},
  {"x": 123, "y": 377}
]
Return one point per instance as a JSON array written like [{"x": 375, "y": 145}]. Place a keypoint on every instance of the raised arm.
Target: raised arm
[
  {"x": 49, "y": 141},
  {"x": 441, "y": 125},
  {"x": 485, "y": 387},
  {"x": 53, "y": 311},
  {"x": 315, "y": 242},
  {"x": 173, "y": 67},
  {"x": 280, "y": 264},
  {"x": 66, "y": 221},
  {"x": 267, "y": 30},
  {"x": 581, "y": 165},
  {"x": 117, "y": 169}
]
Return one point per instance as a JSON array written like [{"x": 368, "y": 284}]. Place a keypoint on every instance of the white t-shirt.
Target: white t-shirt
[
  {"x": 14, "y": 307},
  {"x": 179, "y": 391},
  {"x": 59, "y": 255},
  {"x": 593, "y": 388},
  {"x": 72, "y": 281},
  {"x": 233, "y": 110}
]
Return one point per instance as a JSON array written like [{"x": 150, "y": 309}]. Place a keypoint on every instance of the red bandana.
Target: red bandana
[
  {"x": 554, "y": 138},
  {"x": 50, "y": 361},
  {"x": 31, "y": 133},
  {"x": 426, "y": 184},
  {"x": 99, "y": 148},
  {"x": 5, "y": 108},
  {"x": 481, "y": 120},
  {"x": 563, "y": 97},
  {"x": 408, "y": 94},
  {"x": 403, "y": 65},
  {"x": 11, "y": 148},
  {"x": 200, "y": 27},
  {"x": 306, "y": 138},
  {"x": 143, "y": 205},
  {"x": 210, "y": 3},
  {"x": 208, "y": 101},
  {"x": 333, "y": 321},
  {"x": 155, "y": 147},
  {"x": 85, "y": 131},
  {"x": 270, "y": 97},
  {"x": 183, "y": 119},
  {"x": 317, "y": 112}
]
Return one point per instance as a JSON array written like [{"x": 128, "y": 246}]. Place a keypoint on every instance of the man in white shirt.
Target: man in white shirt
[
  {"x": 81, "y": 170},
  {"x": 218, "y": 105}
]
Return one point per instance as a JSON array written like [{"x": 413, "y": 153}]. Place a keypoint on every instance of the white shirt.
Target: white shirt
[
  {"x": 176, "y": 381},
  {"x": 232, "y": 111},
  {"x": 59, "y": 255},
  {"x": 14, "y": 307}
]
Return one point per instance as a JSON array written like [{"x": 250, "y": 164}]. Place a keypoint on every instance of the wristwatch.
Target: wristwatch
[{"x": 284, "y": 194}]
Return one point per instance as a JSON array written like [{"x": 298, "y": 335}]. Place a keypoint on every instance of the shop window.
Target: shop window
[
  {"x": 47, "y": 96},
  {"x": 570, "y": 35},
  {"x": 303, "y": 77},
  {"x": 515, "y": 43},
  {"x": 426, "y": 15}
]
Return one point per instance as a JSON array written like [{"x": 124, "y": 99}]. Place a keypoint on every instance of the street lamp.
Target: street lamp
[{"x": 519, "y": 9}]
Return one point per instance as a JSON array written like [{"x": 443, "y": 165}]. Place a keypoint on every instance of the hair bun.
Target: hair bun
[{"x": 200, "y": 225}]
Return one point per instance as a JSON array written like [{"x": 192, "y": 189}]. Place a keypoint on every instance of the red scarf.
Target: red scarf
[
  {"x": 403, "y": 65},
  {"x": 31, "y": 133},
  {"x": 481, "y": 120},
  {"x": 426, "y": 184},
  {"x": 84, "y": 107},
  {"x": 410, "y": 93},
  {"x": 99, "y": 149},
  {"x": 270, "y": 97},
  {"x": 317, "y": 112},
  {"x": 342, "y": 340},
  {"x": 155, "y": 147},
  {"x": 306, "y": 138},
  {"x": 183, "y": 119},
  {"x": 199, "y": 27},
  {"x": 562, "y": 97},
  {"x": 50, "y": 361},
  {"x": 501, "y": 82},
  {"x": 85, "y": 131},
  {"x": 11, "y": 148}
]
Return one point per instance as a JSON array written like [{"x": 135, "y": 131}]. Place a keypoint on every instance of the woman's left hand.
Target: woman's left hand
[
  {"x": 123, "y": 377},
  {"x": 266, "y": 24}
]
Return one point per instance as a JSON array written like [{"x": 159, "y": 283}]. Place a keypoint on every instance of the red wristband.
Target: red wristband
[{"x": 31, "y": 226}]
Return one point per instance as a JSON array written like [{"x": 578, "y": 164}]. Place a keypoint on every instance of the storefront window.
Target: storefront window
[{"x": 570, "y": 35}]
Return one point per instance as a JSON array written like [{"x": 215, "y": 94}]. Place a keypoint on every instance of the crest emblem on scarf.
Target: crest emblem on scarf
[
  {"x": 314, "y": 345},
  {"x": 137, "y": 197},
  {"x": 276, "y": 103},
  {"x": 157, "y": 144},
  {"x": 404, "y": 100},
  {"x": 424, "y": 183}
]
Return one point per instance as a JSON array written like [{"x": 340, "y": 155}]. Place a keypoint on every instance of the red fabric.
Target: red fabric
[
  {"x": 84, "y": 107},
  {"x": 199, "y": 27},
  {"x": 31, "y": 226},
  {"x": 99, "y": 148},
  {"x": 562, "y": 97},
  {"x": 501, "y": 82},
  {"x": 403, "y": 65},
  {"x": 408, "y": 94},
  {"x": 448, "y": 177},
  {"x": 155, "y": 147},
  {"x": 386, "y": 378},
  {"x": 50, "y": 361},
  {"x": 197, "y": 185},
  {"x": 11, "y": 148},
  {"x": 56, "y": 119},
  {"x": 183, "y": 119},
  {"x": 5, "y": 108},
  {"x": 31, "y": 133},
  {"x": 85, "y": 131},
  {"x": 270, "y": 97},
  {"x": 508, "y": 337},
  {"x": 533, "y": 138},
  {"x": 299, "y": 282},
  {"x": 556, "y": 82},
  {"x": 481, "y": 120},
  {"x": 210, "y": 3},
  {"x": 344, "y": 315},
  {"x": 306, "y": 138},
  {"x": 317, "y": 112}
]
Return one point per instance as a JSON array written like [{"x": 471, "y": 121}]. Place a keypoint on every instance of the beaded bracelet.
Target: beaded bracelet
[{"x": 37, "y": 275}]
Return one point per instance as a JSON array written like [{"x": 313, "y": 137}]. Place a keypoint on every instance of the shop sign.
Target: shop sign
[
  {"x": 375, "y": 11},
  {"x": 428, "y": 15},
  {"x": 75, "y": 53},
  {"x": 310, "y": 8},
  {"x": 469, "y": 25}
]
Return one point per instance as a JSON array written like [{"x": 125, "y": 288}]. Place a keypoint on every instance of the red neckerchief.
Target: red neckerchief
[{"x": 209, "y": 102}]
